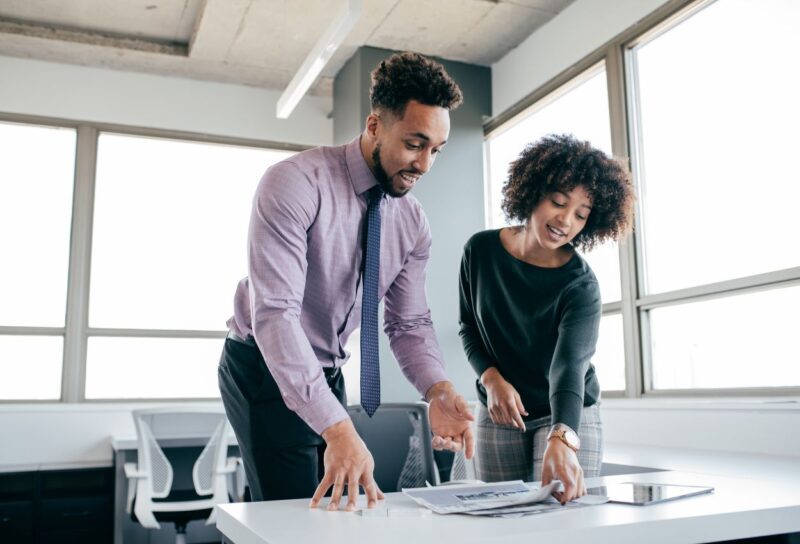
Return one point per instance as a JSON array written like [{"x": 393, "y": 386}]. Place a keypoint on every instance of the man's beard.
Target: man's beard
[{"x": 383, "y": 178}]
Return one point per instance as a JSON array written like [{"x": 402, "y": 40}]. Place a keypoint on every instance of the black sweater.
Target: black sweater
[{"x": 537, "y": 325}]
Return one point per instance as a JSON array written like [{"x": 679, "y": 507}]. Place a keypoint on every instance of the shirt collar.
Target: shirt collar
[{"x": 361, "y": 176}]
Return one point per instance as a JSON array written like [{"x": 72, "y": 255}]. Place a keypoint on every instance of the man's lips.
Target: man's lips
[{"x": 408, "y": 179}]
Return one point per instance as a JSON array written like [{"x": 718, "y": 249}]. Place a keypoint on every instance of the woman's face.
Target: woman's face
[{"x": 559, "y": 217}]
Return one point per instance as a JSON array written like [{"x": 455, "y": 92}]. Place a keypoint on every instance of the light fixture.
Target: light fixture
[{"x": 319, "y": 56}]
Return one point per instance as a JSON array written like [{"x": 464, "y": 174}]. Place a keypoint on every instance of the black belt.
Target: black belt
[{"x": 330, "y": 371}]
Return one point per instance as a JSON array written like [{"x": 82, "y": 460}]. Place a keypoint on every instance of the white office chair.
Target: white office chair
[{"x": 150, "y": 495}]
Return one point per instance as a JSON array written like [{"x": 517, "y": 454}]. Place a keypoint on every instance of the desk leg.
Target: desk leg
[{"x": 120, "y": 495}]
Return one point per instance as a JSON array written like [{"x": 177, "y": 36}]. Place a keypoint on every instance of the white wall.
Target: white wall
[
  {"x": 567, "y": 38},
  {"x": 106, "y": 96},
  {"x": 752, "y": 426}
]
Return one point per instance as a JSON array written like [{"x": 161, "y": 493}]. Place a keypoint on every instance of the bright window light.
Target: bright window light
[
  {"x": 170, "y": 231},
  {"x": 36, "y": 182}
]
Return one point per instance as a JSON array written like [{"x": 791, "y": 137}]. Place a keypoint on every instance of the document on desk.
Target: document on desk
[{"x": 483, "y": 499}]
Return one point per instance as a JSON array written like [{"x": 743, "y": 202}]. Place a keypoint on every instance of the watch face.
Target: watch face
[{"x": 572, "y": 439}]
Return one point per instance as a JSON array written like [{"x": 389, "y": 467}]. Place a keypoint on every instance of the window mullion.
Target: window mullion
[{"x": 74, "y": 375}]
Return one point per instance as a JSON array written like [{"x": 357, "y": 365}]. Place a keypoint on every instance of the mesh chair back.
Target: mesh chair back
[
  {"x": 152, "y": 459},
  {"x": 175, "y": 424},
  {"x": 210, "y": 458}
]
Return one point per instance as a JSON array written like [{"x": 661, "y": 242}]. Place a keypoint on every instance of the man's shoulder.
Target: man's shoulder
[{"x": 316, "y": 159}]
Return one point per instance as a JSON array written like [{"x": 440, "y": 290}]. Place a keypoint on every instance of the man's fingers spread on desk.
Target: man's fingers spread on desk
[
  {"x": 371, "y": 490},
  {"x": 336, "y": 496},
  {"x": 322, "y": 488},
  {"x": 352, "y": 492}
]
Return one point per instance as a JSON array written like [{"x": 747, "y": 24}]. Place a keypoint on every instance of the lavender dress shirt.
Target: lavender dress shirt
[{"x": 302, "y": 298}]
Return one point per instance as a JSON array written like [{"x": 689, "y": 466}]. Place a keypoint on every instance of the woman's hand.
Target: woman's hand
[
  {"x": 503, "y": 402},
  {"x": 561, "y": 463}
]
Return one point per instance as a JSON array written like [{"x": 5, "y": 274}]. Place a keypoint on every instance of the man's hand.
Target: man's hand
[
  {"x": 561, "y": 463},
  {"x": 503, "y": 402},
  {"x": 450, "y": 417},
  {"x": 347, "y": 462}
]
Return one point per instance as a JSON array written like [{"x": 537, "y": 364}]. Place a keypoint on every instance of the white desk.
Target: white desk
[{"x": 739, "y": 508}]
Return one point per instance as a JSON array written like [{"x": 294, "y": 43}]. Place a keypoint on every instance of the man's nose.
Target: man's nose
[{"x": 423, "y": 162}]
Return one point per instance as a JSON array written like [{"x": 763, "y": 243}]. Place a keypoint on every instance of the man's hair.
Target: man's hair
[
  {"x": 411, "y": 76},
  {"x": 561, "y": 163}
]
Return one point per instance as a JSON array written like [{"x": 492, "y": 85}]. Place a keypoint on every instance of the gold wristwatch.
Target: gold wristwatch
[{"x": 566, "y": 435}]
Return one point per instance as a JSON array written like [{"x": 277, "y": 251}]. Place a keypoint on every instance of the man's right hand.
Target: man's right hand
[
  {"x": 347, "y": 462},
  {"x": 503, "y": 401}
]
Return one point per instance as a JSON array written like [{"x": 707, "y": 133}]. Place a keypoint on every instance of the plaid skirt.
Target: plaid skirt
[{"x": 506, "y": 453}]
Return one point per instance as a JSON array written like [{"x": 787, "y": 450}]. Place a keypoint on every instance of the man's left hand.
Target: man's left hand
[{"x": 450, "y": 417}]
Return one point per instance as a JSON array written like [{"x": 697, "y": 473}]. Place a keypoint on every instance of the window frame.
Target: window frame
[
  {"x": 619, "y": 58},
  {"x": 76, "y": 331}
]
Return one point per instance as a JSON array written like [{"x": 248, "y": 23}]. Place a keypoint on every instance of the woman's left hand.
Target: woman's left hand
[{"x": 561, "y": 463}]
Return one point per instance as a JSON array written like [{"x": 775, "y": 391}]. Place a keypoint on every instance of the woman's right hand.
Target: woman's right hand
[{"x": 503, "y": 402}]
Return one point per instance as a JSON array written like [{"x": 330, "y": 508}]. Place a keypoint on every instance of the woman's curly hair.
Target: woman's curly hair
[
  {"x": 411, "y": 76},
  {"x": 560, "y": 162}
]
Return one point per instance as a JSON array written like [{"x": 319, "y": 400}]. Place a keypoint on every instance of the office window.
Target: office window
[
  {"x": 168, "y": 249},
  {"x": 718, "y": 191},
  {"x": 747, "y": 340},
  {"x": 719, "y": 187},
  {"x": 130, "y": 368},
  {"x": 36, "y": 181},
  {"x": 30, "y": 367},
  {"x": 579, "y": 108},
  {"x": 609, "y": 359},
  {"x": 36, "y": 184}
]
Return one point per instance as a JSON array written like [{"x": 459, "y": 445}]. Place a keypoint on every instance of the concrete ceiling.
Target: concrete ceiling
[{"x": 260, "y": 43}]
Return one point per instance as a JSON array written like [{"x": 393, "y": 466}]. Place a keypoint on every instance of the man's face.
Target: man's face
[{"x": 406, "y": 147}]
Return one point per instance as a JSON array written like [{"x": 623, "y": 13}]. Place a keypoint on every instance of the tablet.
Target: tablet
[{"x": 642, "y": 494}]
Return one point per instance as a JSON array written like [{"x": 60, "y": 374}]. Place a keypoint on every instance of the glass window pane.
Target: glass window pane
[
  {"x": 37, "y": 169},
  {"x": 30, "y": 367},
  {"x": 582, "y": 111},
  {"x": 609, "y": 359},
  {"x": 718, "y": 183},
  {"x": 739, "y": 341},
  {"x": 170, "y": 231},
  {"x": 130, "y": 368}
]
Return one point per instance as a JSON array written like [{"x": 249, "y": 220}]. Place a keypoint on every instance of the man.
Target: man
[{"x": 332, "y": 231}]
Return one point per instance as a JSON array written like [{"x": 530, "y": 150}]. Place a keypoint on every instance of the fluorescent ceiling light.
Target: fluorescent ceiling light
[{"x": 319, "y": 56}]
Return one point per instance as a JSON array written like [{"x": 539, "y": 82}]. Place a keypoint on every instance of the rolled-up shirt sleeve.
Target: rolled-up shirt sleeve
[
  {"x": 284, "y": 208},
  {"x": 407, "y": 319}
]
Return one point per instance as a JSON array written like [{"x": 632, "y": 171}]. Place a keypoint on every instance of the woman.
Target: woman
[{"x": 530, "y": 312}]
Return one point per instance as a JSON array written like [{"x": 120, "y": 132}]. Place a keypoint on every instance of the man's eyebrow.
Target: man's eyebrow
[{"x": 423, "y": 136}]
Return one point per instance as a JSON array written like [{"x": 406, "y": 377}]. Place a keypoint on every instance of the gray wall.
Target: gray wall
[{"x": 451, "y": 194}]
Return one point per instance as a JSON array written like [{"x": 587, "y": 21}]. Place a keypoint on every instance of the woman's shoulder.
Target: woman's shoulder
[
  {"x": 482, "y": 239},
  {"x": 582, "y": 281}
]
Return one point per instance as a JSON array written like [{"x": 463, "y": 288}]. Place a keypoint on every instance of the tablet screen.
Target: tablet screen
[{"x": 641, "y": 494}]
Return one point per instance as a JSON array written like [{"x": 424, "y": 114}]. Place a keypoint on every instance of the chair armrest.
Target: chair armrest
[
  {"x": 230, "y": 465},
  {"x": 132, "y": 471}
]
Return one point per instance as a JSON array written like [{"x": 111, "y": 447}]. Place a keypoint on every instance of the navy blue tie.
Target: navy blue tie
[{"x": 370, "y": 364}]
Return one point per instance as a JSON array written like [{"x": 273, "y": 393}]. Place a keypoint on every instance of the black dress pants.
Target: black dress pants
[{"x": 283, "y": 456}]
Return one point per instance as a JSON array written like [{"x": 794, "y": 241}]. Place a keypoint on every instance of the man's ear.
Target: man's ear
[{"x": 373, "y": 124}]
